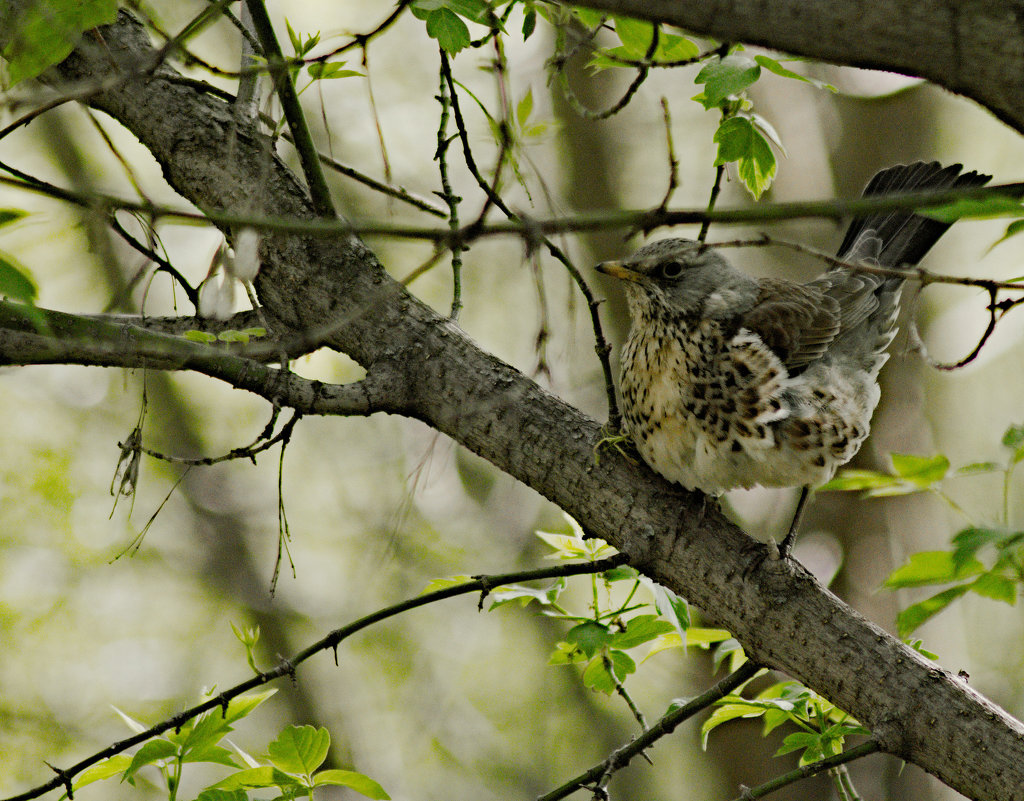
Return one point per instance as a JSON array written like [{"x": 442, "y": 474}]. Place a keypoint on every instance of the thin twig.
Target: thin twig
[
  {"x": 716, "y": 187},
  {"x": 264, "y": 441},
  {"x": 286, "y": 667},
  {"x": 673, "y": 162},
  {"x": 668, "y": 723},
  {"x": 643, "y": 69},
  {"x": 601, "y": 346},
  {"x": 450, "y": 199},
  {"x": 805, "y": 771},
  {"x": 319, "y": 192},
  {"x": 535, "y": 229}
]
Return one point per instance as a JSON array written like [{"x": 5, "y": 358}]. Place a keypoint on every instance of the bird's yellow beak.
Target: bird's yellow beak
[{"x": 617, "y": 270}]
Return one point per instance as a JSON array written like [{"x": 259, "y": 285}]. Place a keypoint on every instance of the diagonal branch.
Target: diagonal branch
[
  {"x": 783, "y": 617},
  {"x": 973, "y": 49}
]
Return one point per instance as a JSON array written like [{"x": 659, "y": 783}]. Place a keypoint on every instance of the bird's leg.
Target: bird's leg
[
  {"x": 798, "y": 513},
  {"x": 616, "y": 439}
]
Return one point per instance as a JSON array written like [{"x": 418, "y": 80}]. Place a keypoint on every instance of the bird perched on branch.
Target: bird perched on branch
[{"x": 733, "y": 381}]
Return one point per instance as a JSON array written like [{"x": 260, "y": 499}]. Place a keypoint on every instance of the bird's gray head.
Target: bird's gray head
[{"x": 680, "y": 277}]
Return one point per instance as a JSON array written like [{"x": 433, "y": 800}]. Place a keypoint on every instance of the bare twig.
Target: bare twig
[{"x": 805, "y": 771}]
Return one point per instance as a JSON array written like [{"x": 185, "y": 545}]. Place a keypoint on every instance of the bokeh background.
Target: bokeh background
[{"x": 448, "y": 702}]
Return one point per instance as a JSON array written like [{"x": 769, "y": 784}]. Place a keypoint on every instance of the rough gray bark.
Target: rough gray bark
[
  {"x": 418, "y": 364},
  {"x": 971, "y": 47}
]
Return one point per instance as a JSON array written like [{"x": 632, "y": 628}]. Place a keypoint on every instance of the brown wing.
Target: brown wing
[{"x": 797, "y": 321}]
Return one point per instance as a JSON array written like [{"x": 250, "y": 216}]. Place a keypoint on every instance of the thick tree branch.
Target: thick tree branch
[
  {"x": 784, "y": 618},
  {"x": 973, "y": 48},
  {"x": 71, "y": 339}
]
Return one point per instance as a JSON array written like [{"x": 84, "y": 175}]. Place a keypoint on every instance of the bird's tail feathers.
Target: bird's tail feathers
[{"x": 903, "y": 237}]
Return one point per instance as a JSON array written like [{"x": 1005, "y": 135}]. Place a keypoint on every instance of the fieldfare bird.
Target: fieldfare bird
[{"x": 733, "y": 381}]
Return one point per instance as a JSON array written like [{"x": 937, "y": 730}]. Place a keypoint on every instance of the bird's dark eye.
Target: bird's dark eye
[{"x": 671, "y": 269}]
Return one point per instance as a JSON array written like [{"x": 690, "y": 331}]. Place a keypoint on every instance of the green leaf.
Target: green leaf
[
  {"x": 524, "y": 107},
  {"x": 46, "y": 31},
  {"x": 231, "y": 335},
  {"x": 529, "y": 22},
  {"x": 774, "y": 66},
  {"x": 675, "y": 48},
  {"x": 730, "y": 708},
  {"x": 622, "y": 663},
  {"x": 151, "y": 751},
  {"x": 728, "y": 649},
  {"x": 664, "y": 643},
  {"x": 566, "y": 653},
  {"x": 589, "y": 637},
  {"x": 1013, "y": 440},
  {"x": 1012, "y": 229},
  {"x": 103, "y": 770},
  {"x": 931, "y": 567},
  {"x": 969, "y": 541},
  {"x": 757, "y": 170},
  {"x": 324, "y": 71},
  {"x": 705, "y": 638},
  {"x": 596, "y": 675},
  {"x": 797, "y": 741},
  {"x": 254, "y": 778},
  {"x": 673, "y": 607},
  {"x": 293, "y": 37},
  {"x": 913, "y": 616},
  {"x": 921, "y": 470},
  {"x": 573, "y": 546},
  {"x": 978, "y": 467},
  {"x": 517, "y": 592},
  {"x": 856, "y": 479},
  {"x": 355, "y": 781},
  {"x": 590, "y": 18},
  {"x": 734, "y": 138},
  {"x": 444, "y": 583},
  {"x": 15, "y": 282},
  {"x": 299, "y": 749},
  {"x": 641, "y": 629},
  {"x": 450, "y": 31},
  {"x": 210, "y": 752},
  {"x": 199, "y": 336},
  {"x": 918, "y": 645},
  {"x": 478, "y": 11},
  {"x": 211, "y": 794},
  {"x": 996, "y": 587},
  {"x": 738, "y": 140},
  {"x": 725, "y": 78},
  {"x": 635, "y": 36},
  {"x": 620, "y": 573}
]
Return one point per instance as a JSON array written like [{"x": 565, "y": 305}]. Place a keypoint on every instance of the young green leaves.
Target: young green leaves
[
  {"x": 742, "y": 136},
  {"x": 961, "y": 567},
  {"x": 445, "y": 23}
]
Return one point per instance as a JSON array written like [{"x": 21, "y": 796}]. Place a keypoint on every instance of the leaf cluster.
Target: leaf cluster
[
  {"x": 615, "y": 623},
  {"x": 997, "y": 577},
  {"x": 822, "y": 728},
  {"x": 744, "y": 138},
  {"x": 290, "y": 767}
]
